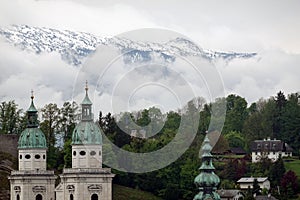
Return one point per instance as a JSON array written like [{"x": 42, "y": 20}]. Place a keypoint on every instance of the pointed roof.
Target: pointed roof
[
  {"x": 86, "y": 100},
  {"x": 32, "y": 107}
]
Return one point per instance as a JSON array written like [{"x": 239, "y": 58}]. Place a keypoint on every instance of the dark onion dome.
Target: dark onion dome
[
  {"x": 86, "y": 131},
  {"x": 207, "y": 179},
  {"x": 32, "y": 136}
]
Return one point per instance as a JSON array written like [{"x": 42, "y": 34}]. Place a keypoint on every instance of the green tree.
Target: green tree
[
  {"x": 235, "y": 139},
  {"x": 10, "y": 118},
  {"x": 236, "y": 113},
  {"x": 280, "y": 101},
  {"x": 249, "y": 194},
  {"x": 204, "y": 121},
  {"x": 221, "y": 146},
  {"x": 67, "y": 152},
  {"x": 67, "y": 120},
  {"x": 277, "y": 171},
  {"x": 259, "y": 124},
  {"x": 256, "y": 188},
  {"x": 50, "y": 126},
  {"x": 289, "y": 184},
  {"x": 188, "y": 171},
  {"x": 291, "y": 121}
]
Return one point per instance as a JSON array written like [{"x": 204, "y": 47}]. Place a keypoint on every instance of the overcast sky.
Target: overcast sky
[{"x": 271, "y": 28}]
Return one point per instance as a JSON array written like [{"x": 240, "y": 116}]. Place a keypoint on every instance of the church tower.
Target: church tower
[
  {"x": 86, "y": 180},
  {"x": 32, "y": 180},
  {"x": 207, "y": 181}
]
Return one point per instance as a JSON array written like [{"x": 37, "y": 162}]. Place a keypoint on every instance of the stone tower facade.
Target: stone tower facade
[
  {"x": 86, "y": 180},
  {"x": 207, "y": 181},
  {"x": 32, "y": 180}
]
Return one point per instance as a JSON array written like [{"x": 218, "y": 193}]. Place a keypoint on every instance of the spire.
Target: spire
[
  {"x": 86, "y": 106},
  {"x": 86, "y": 87},
  {"x": 32, "y": 114},
  {"x": 32, "y": 107},
  {"x": 207, "y": 181},
  {"x": 86, "y": 100}
]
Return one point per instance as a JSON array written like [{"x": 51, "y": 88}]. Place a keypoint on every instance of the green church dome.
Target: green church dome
[
  {"x": 32, "y": 136},
  {"x": 87, "y": 132}
]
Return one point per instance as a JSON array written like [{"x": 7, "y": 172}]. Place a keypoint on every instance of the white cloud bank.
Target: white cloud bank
[{"x": 270, "y": 28}]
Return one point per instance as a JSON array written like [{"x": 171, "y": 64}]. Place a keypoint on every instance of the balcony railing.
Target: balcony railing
[{"x": 87, "y": 171}]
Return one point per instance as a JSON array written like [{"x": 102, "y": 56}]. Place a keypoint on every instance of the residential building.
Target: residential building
[
  {"x": 246, "y": 182},
  {"x": 271, "y": 149}
]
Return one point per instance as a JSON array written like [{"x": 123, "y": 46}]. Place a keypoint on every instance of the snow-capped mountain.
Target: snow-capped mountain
[{"x": 74, "y": 47}]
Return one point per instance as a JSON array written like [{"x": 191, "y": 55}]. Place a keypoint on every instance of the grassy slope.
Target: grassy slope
[
  {"x": 293, "y": 165},
  {"x": 125, "y": 193}
]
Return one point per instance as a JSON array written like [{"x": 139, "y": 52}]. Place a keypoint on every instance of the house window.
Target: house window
[
  {"x": 93, "y": 153},
  {"x": 27, "y": 156},
  {"x": 37, "y": 156},
  {"x": 82, "y": 153}
]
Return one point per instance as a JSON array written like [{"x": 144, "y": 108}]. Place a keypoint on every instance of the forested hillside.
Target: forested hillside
[{"x": 277, "y": 117}]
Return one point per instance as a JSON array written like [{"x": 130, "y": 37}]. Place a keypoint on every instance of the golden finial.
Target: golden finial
[{"x": 32, "y": 94}]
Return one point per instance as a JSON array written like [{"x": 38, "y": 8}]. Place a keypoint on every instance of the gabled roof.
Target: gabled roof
[
  {"x": 229, "y": 193},
  {"x": 238, "y": 150},
  {"x": 251, "y": 179},
  {"x": 270, "y": 145}
]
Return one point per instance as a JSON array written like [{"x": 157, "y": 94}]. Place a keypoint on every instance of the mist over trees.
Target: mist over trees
[{"x": 276, "y": 117}]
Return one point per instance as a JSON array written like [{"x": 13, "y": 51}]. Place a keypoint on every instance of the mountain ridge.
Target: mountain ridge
[{"x": 74, "y": 47}]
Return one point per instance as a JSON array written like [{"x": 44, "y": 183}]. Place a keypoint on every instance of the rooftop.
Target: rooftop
[
  {"x": 270, "y": 145},
  {"x": 251, "y": 179}
]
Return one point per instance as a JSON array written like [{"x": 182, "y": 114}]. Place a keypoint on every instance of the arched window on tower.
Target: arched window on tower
[
  {"x": 71, "y": 197},
  {"x": 94, "y": 197},
  {"x": 18, "y": 197},
  {"x": 39, "y": 197}
]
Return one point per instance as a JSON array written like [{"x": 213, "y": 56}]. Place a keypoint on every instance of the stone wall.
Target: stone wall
[{"x": 9, "y": 144}]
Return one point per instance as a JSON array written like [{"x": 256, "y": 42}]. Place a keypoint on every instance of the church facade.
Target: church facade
[{"x": 85, "y": 180}]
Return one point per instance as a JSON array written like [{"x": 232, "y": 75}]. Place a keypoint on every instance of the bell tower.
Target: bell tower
[
  {"x": 32, "y": 180},
  {"x": 86, "y": 180}
]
